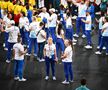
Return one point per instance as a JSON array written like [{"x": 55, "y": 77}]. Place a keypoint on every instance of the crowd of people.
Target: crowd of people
[{"x": 50, "y": 33}]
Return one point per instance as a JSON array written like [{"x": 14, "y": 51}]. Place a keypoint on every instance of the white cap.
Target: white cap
[
  {"x": 12, "y": 22},
  {"x": 52, "y": 9},
  {"x": 91, "y": 0}
]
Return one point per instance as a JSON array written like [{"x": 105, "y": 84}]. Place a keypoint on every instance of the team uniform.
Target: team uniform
[
  {"x": 13, "y": 35},
  {"x": 81, "y": 15},
  {"x": 24, "y": 28},
  {"x": 60, "y": 43},
  {"x": 33, "y": 38},
  {"x": 88, "y": 32},
  {"x": 50, "y": 59},
  {"x": 101, "y": 20},
  {"x": 104, "y": 41},
  {"x": 52, "y": 26},
  {"x": 41, "y": 39},
  {"x": 7, "y": 22},
  {"x": 68, "y": 65},
  {"x": 69, "y": 29},
  {"x": 18, "y": 62},
  {"x": 45, "y": 17}
]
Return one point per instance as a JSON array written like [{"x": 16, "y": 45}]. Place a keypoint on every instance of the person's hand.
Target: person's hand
[
  {"x": 82, "y": 19},
  {"x": 56, "y": 59},
  {"x": 25, "y": 51}
]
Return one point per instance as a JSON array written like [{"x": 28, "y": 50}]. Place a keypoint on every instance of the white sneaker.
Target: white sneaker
[
  {"x": 88, "y": 47},
  {"x": 104, "y": 48},
  {"x": 42, "y": 60},
  {"x": 74, "y": 40},
  {"x": 22, "y": 80},
  {"x": 74, "y": 43},
  {"x": 98, "y": 53},
  {"x": 3, "y": 44},
  {"x": 98, "y": 47},
  {"x": 65, "y": 82},
  {"x": 83, "y": 36},
  {"x": 6, "y": 49},
  {"x": 71, "y": 81},
  {"x": 106, "y": 54},
  {"x": 46, "y": 78},
  {"x": 7, "y": 61},
  {"x": 16, "y": 78},
  {"x": 76, "y": 35},
  {"x": 54, "y": 78},
  {"x": 28, "y": 54}
]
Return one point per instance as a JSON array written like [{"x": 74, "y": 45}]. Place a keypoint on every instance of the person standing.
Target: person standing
[
  {"x": 29, "y": 13},
  {"x": 104, "y": 37},
  {"x": 101, "y": 22},
  {"x": 52, "y": 24},
  {"x": 50, "y": 58},
  {"x": 24, "y": 28},
  {"x": 82, "y": 7},
  {"x": 41, "y": 39},
  {"x": 33, "y": 29},
  {"x": 18, "y": 53},
  {"x": 45, "y": 16},
  {"x": 60, "y": 40},
  {"x": 6, "y": 19},
  {"x": 13, "y": 32},
  {"x": 88, "y": 26},
  {"x": 69, "y": 27},
  {"x": 67, "y": 61}
]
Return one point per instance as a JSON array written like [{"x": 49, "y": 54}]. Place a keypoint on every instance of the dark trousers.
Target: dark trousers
[
  {"x": 49, "y": 62},
  {"x": 9, "y": 52},
  {"x": 79, "y": 24},
  {"x": 103, "y": 43},
  {"x": 68, "y": 71},
  {"x": 18, "y": 68},
  {"x": 40, "y": 49}
]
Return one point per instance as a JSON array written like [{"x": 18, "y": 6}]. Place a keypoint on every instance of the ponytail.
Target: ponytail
[{"x": 71, "y": 43}]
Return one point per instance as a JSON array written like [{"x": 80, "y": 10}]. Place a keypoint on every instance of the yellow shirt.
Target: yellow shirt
[
  {"x": 10, "y": 7},
  {"x": 2, "y": 4},
  {"x": 5, "y": 5},
  {"x": 32, "y": 2},
  {"x": 31, "y": 8},
  {"x": 24, "y": 9},
  {"x": 17, "y": 9}
]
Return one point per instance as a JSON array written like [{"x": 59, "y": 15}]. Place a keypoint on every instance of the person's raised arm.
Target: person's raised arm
[{"x": 74, "y": 2}]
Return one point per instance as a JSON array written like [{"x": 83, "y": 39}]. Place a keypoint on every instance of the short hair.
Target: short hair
[
  {"x": 83, "y": 82},
  {"x": 41, "y": 24},
  {"x": 68, "y": 14}
]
